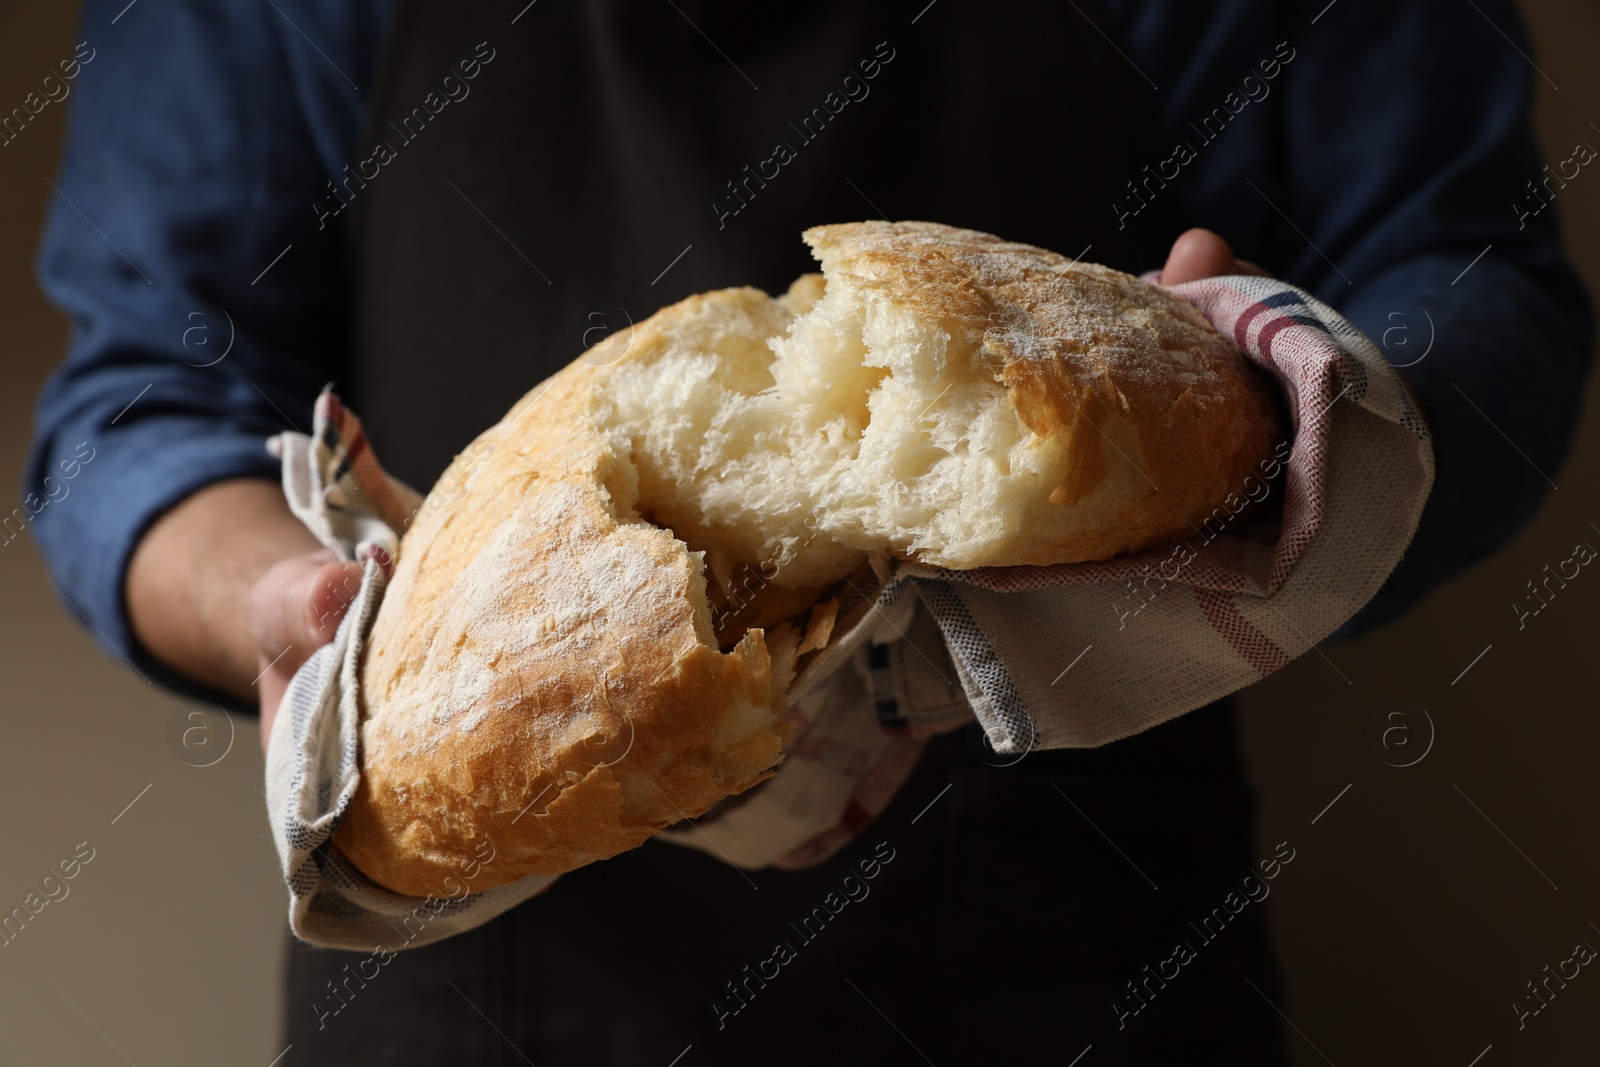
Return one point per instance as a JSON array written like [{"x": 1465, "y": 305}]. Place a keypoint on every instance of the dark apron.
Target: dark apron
[{"x": 606, "y": 159}]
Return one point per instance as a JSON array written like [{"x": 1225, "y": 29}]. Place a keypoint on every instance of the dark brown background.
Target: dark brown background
[{"x": 1407, "y": 923}]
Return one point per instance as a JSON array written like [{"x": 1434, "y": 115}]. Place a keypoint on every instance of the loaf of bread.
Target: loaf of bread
[{"x": 593, "y": 639}]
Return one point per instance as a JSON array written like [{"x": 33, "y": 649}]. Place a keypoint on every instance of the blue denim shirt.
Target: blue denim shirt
[{"x": 1384, "y": 165}]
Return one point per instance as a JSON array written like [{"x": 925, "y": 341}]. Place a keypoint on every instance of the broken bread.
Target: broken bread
[{"x": 595, "y": 639}]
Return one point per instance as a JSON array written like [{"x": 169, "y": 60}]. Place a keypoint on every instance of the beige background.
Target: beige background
[{"x": 1407, "y": 923}]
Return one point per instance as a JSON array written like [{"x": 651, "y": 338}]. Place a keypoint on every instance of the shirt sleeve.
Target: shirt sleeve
[
  {"x": 1388, "y": 177},
  {"x": 205, "y": 297}
]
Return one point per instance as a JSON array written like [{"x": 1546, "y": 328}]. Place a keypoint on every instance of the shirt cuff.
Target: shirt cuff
[{"x": 132, "y": 477}]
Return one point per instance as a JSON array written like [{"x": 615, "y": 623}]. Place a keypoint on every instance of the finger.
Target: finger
[
  {"x": 296, "y": 605},
  {"x": 295, "y": 608},
  {"x": 333, "y": 588},
  {"x": 1197, "y": 254},
  {"x": 312, "y": 594}
]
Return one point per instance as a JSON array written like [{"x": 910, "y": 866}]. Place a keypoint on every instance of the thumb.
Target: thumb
[
  {"x": 1197, "y": 254},
  {"x": 295, "y": 609},
  {"x": 296, "y": 605}
]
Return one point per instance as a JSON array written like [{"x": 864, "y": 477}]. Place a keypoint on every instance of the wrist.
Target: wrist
[{"x": 189, "y": 582}]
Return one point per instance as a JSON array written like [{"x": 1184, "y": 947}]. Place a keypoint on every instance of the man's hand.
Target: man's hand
[
  {"x": 1202, "y": 254},
  {"x": 229, "y": 586},
  {"x": 295, "y": 608}
]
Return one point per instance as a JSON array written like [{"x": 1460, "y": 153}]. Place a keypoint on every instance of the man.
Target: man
[{"x": 431, "y": 204}]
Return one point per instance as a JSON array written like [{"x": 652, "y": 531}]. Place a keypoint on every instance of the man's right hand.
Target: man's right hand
[
  {"x": 295, "y": 608},
  {"x": 232, "y": 590}
]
